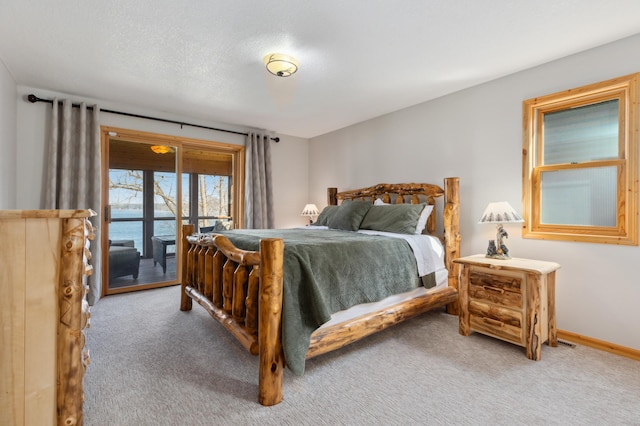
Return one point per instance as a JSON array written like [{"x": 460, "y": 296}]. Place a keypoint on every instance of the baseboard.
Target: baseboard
[{"x": 599, "y": 344}]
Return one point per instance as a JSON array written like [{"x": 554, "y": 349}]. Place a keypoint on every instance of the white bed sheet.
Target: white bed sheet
[
  {"x": 442, "y": 280},
  {"x": 428, "y": 250},
  {"x": 429, "y": 255}
]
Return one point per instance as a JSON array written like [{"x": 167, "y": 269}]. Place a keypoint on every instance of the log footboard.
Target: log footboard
[{"x": 243, "y": 291}]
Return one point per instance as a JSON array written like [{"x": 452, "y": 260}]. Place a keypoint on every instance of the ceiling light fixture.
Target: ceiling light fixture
[
  {"x": 280, "y": 64},
  {"x": 162, "y": 149}
]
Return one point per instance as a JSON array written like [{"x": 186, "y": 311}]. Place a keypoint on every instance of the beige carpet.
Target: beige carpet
[{"x": 152, "y": 364}]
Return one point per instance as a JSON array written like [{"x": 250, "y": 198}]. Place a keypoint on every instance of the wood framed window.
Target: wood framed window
[{"x": 580, "y": 177}]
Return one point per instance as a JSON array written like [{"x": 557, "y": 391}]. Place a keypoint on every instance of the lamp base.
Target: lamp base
[
  {"x": 494, "y": 252},
  {"x": 498, "y": 256}
]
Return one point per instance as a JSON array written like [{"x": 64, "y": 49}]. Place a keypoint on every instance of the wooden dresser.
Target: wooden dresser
[
  {"x": 512, "y": 300},
  {"x": 43, "y": 269}
]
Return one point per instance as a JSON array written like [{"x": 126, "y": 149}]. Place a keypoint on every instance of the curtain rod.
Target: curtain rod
[{"x": 33, "y": 99}]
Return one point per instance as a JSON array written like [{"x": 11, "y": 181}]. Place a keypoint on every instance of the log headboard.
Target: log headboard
[{"x": 415, "y": 193}]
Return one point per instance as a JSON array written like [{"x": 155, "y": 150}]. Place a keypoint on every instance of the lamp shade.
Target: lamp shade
[
  {"x": 280, "y": 64},
  {"x": 310, "y": 210},
  {"x": 500, "y": 212}
]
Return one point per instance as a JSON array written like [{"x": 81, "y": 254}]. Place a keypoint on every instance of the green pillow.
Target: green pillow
[
  {"x": 323, "y": 217},
  {"x": 349, "y": 215},
  {"x": 396, "y": 218}
]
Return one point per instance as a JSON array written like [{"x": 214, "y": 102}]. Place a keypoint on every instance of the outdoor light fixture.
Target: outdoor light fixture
[{"x": 162, "y": 149}]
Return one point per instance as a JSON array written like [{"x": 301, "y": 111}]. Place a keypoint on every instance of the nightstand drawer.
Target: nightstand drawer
[
  {"x": 492, "y": 327},
  {"x": 497, "y": 313},
  {"x": 496, "y": 321},
  {"x": 502, "y": 288}
]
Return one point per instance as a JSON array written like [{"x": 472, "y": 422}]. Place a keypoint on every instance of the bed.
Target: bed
[{"x": 290, "y": 295}]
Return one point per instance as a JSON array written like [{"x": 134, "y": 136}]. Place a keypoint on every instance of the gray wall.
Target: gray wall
[
  {"x": 8, "y": 145},
  {"x": 289, "y": 156},
  {"x": 476, "y": 134}
]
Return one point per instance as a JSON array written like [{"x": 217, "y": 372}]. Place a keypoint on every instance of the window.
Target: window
[{"x": 580, "y": 164}]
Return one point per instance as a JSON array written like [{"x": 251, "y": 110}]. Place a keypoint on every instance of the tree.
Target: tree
[
  {"x": 213, "y": 192},
  {"x": 131, "y": 184}
]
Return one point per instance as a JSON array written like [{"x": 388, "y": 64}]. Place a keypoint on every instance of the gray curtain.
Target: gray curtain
[
  {"x": 258, "y": 192},
  {"x": 73, "y": 171}
]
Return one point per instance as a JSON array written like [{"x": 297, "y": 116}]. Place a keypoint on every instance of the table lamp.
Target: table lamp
[
  {"x": 499, "y": 213},
  {"x": 310, "y": 210}
]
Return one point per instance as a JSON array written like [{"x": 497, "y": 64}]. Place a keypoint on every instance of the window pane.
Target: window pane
[
  {"x": 165, "y": 228},
  {"x": 581, "y": 197},
  {"x": 119, "y": 231},
  {"x": 125, "y": 193},
  {"x": 581, "y": 134},
  {"x": 213, "y": 196},
  {"x": 165, "y": 194},
  {"x": 185, "y": 194},
  {"x": 164, "y": 205}
]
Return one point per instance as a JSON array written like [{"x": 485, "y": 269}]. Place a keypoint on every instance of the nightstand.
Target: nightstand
[{"x": 512, "y": 300}]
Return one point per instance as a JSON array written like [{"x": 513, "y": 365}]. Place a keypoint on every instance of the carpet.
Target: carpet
[{"x": 152, "y": 364}]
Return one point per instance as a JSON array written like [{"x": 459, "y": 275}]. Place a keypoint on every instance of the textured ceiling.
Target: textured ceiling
[{"x": 358, "y": 59}]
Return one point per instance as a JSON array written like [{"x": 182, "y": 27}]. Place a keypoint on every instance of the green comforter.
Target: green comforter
[{"x": 326, "y": 271}]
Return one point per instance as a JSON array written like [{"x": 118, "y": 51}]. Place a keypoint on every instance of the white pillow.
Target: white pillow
[
  {"x": 422, "y": 220},
  {"x": 379, "y": 202}
]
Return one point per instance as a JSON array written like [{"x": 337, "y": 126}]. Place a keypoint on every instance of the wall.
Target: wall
[
  {"x": 8, "y": 145},
  {"x": 289, "y": 156},
  {"x": 476, "y": 134}
]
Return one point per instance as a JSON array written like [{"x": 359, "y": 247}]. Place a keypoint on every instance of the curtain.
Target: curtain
[
  {"x": 73, "y": 172},
  {"x": 258, "y": 192}
]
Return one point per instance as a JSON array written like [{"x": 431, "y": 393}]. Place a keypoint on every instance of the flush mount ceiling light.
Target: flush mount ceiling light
[
  {"x": 162, "y": 149},
  {"x": 280, "y": 64}
]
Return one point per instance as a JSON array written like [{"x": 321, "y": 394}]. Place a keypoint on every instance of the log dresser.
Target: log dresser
[
  {"x": 43, "y": 268},
  {"x": 512, "y": 300}
]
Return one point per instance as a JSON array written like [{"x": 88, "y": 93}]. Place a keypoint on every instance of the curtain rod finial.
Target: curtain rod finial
[{"x": 32, "y": 98}]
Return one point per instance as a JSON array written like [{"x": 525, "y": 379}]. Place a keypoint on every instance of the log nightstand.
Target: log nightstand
[{"x": 512, "y": 300}]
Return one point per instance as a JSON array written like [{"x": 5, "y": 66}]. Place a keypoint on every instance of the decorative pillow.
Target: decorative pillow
[
  {"x": 396, "y": 218},
  {"x": 379, "y": 202},
  {"x": 349, "y": 215},
  {"x": 323, "y": 217},
  {"x": 424, "y": 216}
]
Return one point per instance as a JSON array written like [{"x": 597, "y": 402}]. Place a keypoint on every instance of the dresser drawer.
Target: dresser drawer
[{"x": 501, "y": 288}]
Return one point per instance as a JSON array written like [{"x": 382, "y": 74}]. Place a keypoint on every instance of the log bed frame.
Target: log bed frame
[{"x": 243, "y": 289}]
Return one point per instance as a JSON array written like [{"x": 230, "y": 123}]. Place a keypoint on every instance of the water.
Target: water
[{"x": 133, "y": 230}]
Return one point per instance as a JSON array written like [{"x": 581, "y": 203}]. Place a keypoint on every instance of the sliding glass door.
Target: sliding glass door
[
  {"x": 150, "y": 182},
  {"x": 142, "y": 215}
]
